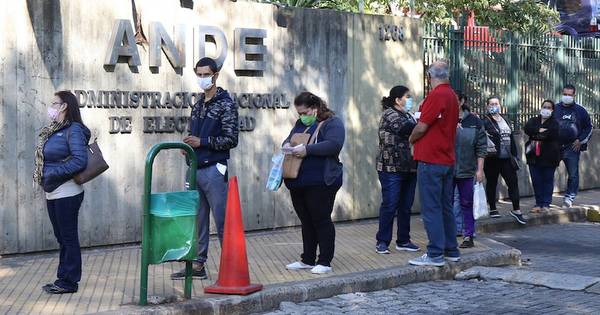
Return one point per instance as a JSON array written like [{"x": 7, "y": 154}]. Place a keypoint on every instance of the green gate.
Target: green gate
[{"x": 522, "y": 70}]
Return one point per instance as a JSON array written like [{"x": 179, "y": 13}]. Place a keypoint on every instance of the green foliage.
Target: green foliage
[
  {"x": 370, "y": 6},
  {"x": 524, "y": 16}
]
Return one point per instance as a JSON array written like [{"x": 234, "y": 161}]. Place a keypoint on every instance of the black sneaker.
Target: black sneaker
[
  {"x": 409, "y": 247},
  {"x": 467, "y": 242},
  {"x": 494, "y": 214},
  {"x": 198, "y": 272},
  {"x": 519, "y": 217},
  {"x": 381, "y": 248}
]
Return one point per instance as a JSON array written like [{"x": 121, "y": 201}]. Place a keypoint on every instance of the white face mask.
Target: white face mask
[
  {"x": 546, "y": 113},
  {"x": 205, "y": 83},
  {"x": 53, "y": 113},
  {"x": 567, "y": 99}
]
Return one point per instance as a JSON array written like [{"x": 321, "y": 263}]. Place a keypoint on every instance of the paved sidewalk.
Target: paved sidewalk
[{"x": 111, "y": 275}]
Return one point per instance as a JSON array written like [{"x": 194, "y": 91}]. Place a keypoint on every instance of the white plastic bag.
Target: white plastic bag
[
  {"x": 276, "y": 174},
  {"x": 480, "y": 207}
]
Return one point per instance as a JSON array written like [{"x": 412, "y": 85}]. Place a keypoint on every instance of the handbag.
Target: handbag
[
  {"x": 291, "y": 163},
  {"x": 96, "y": 165}
]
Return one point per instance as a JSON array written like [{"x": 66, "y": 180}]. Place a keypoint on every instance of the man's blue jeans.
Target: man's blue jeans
[
  {"x": 571, "y": 160},
  {"x": 398, "y": 195},
  {"x": 436, "y": 187}
]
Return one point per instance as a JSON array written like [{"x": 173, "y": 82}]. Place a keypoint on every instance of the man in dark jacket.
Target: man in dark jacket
[
  {"x": 214, "y": 132},
  {"x": 574, "y": 133}
]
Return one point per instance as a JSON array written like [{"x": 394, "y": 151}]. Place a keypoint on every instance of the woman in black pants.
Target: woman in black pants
[
  {"x": 61, "y": 153},
  {"x": 504, "y": 162},
  {"x": 319, "y": 178}
]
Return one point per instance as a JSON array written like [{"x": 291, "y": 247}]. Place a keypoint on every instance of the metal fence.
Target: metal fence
[{"x": 521, "y": 71}]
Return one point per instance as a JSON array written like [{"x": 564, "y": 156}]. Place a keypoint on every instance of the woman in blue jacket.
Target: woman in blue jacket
[
  {"x": 319, "y": 179},
  {"x": 61, "y": 153}
]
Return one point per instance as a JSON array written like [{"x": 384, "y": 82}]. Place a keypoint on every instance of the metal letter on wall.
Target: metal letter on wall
[
  {"x": 159, "y": 39},
  {"x": 122, "y": 44},
  {"x": 214, "y": 35},
  {"x": 249, "y": 49}
]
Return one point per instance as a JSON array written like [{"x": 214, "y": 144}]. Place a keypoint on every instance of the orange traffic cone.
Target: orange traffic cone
[{"x": 234, "y": 277}]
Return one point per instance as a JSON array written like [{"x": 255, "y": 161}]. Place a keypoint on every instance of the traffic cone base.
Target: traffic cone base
[
  {"x": 234, "y": 276},
  {"x": 217, "y": 289}
]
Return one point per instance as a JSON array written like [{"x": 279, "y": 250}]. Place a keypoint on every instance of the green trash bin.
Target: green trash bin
[
  {"x": 170, "y": 230},
  {"x": 173, "y": 228}
]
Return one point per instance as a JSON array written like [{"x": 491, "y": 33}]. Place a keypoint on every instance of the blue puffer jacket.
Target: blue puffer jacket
[{"x": 65, "y": 155}]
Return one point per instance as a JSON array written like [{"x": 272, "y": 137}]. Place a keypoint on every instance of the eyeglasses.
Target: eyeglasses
[
  {"x": 56, "y": 103},
  {"x": 204, "y": 75}
]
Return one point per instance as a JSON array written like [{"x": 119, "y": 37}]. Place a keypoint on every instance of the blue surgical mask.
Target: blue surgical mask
[
  {"x": 408, "y": 105},
  {"x": 494, "y": 110}
]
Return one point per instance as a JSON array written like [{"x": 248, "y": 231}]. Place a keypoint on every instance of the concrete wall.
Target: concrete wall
[{"x": 55, "y": 45}]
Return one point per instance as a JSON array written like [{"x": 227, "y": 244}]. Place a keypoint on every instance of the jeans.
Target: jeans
[
  {"x": 542, "y": 178},
  {"x": 494, "y": 167},
  {"x": 458, "y": 214},
  {"x": 464, "y": 190},
  {"x": 398, "y": 195},
  {"x": 314, "y": 205},
  {"x": 436, "y": 183},
  {"x": 571, "y": 160},
  {"x": 64, "y": 214},
  {"x": 212, "y": 186}
]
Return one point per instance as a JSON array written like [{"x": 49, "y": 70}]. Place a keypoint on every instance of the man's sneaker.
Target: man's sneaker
[
  {"x": 519, "y": 217},
  {"x": 298, "y": 266},
  {"x": 409, "y": 247},
  {"x": 568, "y": 203},
  {"x": 320, "y": 269},
  {"x": 381, "y": 248},
  {"x": 198, "y": 272},
  {"x": 467, "y": 242},
  {"x": 452, "y": 258},
  {"x": 494, "y": 214},
  {"x": 425, "y": 260}
]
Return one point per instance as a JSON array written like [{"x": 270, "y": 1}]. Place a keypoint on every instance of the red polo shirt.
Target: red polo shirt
[{"x": 440, "y": 112}]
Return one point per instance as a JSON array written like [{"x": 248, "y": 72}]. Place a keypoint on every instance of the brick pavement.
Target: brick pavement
[{"x": 453, "y": 297}]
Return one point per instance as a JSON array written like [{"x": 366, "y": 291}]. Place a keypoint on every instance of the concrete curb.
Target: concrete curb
[
  {"x": 555, "y": 216},
  {"x": 302, "y": 291}
]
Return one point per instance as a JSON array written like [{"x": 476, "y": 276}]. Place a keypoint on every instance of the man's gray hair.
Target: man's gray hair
[{"x": 439, "y": 70}]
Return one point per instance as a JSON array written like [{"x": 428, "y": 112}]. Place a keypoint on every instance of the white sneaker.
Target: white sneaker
[
  {"x": 320, "y": 269},
  {"x": 298, "y": 266}
]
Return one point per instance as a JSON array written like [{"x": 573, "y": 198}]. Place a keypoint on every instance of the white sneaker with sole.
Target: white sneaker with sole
[
  {"x": 320, "y": 269},
  {"x": 298, "y": 266}
]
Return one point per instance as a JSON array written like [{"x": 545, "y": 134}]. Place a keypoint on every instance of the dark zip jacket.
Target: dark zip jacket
[
  {"x": 574, "y": 123},
  {"x": 216, "y": 124},
  {"x": 471, "y": 144}
]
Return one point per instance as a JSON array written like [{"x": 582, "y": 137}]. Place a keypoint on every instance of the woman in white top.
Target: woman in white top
[
  {"x": 61, "y": 153},
  {"x": 504, "y": 162}
]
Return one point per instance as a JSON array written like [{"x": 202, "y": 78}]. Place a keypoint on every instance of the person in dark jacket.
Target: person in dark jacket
[
  {"x": 397, "y": 170},
  {"x": 575, "y": 132},
  {"x": 214, "y": 132},
  {"x": 543, "y": 154},
  {"x": 313, "y": 191},
  {"x": 471, "y": 150},
  {"x": 504, "y": 163},
  {"x": 61, "y": 154}
]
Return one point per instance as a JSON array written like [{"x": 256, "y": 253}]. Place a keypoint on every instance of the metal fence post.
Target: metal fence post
[{"x": 512, "y": 69}]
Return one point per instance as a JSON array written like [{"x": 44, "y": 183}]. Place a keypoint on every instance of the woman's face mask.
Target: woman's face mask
[
  {"x": 408, "y": 105},
  {"x": 54, "y": 110},
  {"x": 308, "y": 118}
]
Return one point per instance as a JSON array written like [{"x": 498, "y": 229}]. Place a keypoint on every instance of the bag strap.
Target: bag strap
[{"x": 313, "y": 138}]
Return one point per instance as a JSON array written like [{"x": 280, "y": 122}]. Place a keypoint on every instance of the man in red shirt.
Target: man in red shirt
[{"x": 433, "y": 140}]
